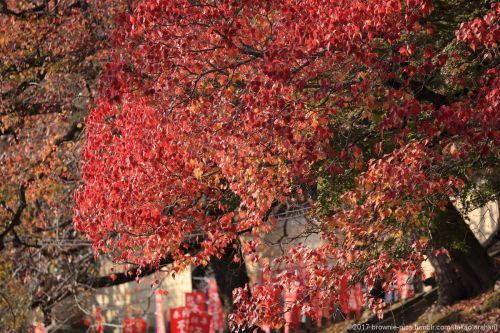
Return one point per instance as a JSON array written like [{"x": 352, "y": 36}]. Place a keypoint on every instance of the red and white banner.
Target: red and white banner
[
  {"x": 199, "y": 322},
  {"x": 98, "y": 320},
  {"x": 351, "y": 298},
  {"x": 355, "y": 300},
  {"x": 215, "y": 308},
  {"x": 39, "y": 328},
  {"x": 128, "y": 325},
  {"x": 179, "y": 319},
  {"x": 195, "y": 301},
  {"x": 292, "y": 313},
  {"x": 265, "y": 278},
  {"x": 134, "y": 325},
  {"x": 403, "y": 284},
  {"x": 160, "y": 317},
  {"x": 327, "y": 309},
  {"x": 314, "y": 302}
]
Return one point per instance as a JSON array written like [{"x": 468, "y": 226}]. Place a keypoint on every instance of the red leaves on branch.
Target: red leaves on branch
[{"x": 484, "y": 32}]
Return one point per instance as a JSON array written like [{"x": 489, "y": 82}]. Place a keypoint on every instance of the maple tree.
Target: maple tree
[{"x": 213, "y": 113}]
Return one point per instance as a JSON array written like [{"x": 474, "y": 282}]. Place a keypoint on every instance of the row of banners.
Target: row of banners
[
  {"x": 192, "y": 318},
  {"x": 200, "y": 316},
  {"x": 196, "y": 316},
  {"x": 352, "y": 301}
]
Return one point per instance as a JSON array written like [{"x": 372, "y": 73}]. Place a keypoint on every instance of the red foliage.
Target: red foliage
[
  {"x": 481, "y": 31},
  {"x": 207, "y": 101}
]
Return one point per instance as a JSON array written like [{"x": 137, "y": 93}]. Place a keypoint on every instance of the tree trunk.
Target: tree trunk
[
  {"x": 229, "y": 276},
  {"x": 468, "y": 271}
]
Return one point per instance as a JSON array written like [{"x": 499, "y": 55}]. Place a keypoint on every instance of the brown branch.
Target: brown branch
[
  {"x": 423, "y": 93},
  {"x": 8, "y": 131},
  {"x": 130, "y": 275},
  {"x": 122, "y": 277},
  {"x": 72, "y": 133},
  {"x": 9, "y": 306},
  {"x": 4, "y": 9},
  {"x": 16, "y": 218}
]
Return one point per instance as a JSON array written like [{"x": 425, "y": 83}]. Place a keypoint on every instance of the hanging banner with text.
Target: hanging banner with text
[
  {"x": 351, "y": 298},
  {"x": 292, "y": 313},
  {"x": 199, "y": 322},
  {"x": 215, "y": 308},
  {"x": 160, "y": 317},
  {"x": 179, "y": 319},
  {"x": 98, "y": 320},
  {"x": 195, "y": 301},
  {"x": 404, "y": 285}
]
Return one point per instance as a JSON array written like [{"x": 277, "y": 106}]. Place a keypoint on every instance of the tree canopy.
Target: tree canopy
[{"x": 213, "y": 113}]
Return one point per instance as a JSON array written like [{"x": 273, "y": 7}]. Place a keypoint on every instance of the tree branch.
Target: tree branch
[
  {"x": 130, "y": 275},
  {"x": 73, "y": 131},
  {"x": 16, "y": 218}
]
